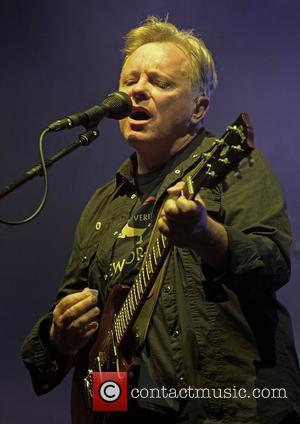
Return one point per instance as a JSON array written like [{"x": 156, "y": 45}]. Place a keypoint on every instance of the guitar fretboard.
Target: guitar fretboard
[{"x": 140, "y": 287}]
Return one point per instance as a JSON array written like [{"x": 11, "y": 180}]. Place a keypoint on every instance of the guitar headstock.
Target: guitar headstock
[{"x": 226, "y": 153}]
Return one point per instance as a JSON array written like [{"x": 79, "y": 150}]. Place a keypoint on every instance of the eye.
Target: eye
[
  {"x": 127, "y": 83},
  {"x": 163, "y": 84}
]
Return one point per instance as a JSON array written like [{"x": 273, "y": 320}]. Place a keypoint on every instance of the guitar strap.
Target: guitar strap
[{"x": 141, "y": 324}]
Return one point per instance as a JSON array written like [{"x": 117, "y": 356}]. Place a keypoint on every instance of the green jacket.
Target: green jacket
[{"x": 225, "y": 331}]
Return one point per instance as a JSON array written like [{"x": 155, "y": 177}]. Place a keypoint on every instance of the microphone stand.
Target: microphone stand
[{"x": 83, "y": 140}]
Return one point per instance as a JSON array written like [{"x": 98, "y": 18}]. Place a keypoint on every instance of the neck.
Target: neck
[{"x": 150, "y": 158}]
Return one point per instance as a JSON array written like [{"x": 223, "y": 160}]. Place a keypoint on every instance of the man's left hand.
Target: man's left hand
[
  {"x": 182, "y": 220},
  {"x": 186, "y": 223}
]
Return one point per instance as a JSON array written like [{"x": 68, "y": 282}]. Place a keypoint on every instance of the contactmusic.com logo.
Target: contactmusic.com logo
[{"x": 109, "y": 391}]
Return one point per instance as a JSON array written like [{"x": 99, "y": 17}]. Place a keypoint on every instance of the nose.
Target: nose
[{"x": 140, "y": 90}]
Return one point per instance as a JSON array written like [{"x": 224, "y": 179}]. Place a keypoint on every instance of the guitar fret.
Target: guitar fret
[
  {"x": 154, "y": 255},
  {"x": 114, "y": 335},
  {"x": 126, "y": 312},
  {"x": 134, "y": 305},
  {"x": 139, "y": 286},
  {"x": 134, "y": 293},
  {"x": 147, "y": 271},
  {"x": 144, "y": 278},
  {"x": 116, "y": 324},
  {"x": 123, "y": 323},
  {"x": 135, "y": 285},
  {"x": 163, "y": 238},
  {"x": 158, "y": 247},
  {"x": 115, "y": 329},
  {"x": 118, "y": 330},
  {"x": 130, "y": 304},
  {"x": 150, "y": 263}
]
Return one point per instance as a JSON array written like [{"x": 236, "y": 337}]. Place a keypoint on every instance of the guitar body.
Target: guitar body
[{"x": 111, "y": 361}]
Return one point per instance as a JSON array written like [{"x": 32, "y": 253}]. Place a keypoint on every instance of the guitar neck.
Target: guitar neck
[{"x": 141, "y": 287}]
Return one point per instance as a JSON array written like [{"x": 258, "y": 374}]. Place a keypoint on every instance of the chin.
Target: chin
[{"x": 137, "y": 137}]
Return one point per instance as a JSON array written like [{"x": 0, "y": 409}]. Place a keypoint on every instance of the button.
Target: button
[
  {"x": 133, "y": 196},
  {"x": 45, "y": 386},
  {"x": 176, "y": 333},
  {"x": 105, "y": 277},
  {"x": 98, "y": 225},
  {"x": 84, "y": 259},
  {"x": 177, "y": 171},
  {"x": 167, "y": 289},
  {"x": 195, "y": 155}
]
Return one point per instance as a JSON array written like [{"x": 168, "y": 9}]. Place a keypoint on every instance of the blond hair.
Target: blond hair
[{"x": 153, "y": 29}]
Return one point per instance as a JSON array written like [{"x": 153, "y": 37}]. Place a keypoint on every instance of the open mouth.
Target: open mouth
[{"x": 140, "y": 115}]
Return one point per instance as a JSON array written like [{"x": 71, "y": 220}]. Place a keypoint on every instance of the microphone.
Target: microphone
[{"x": 116, "y": 105}]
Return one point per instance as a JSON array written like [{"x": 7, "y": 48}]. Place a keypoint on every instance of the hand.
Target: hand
[
  {"x": 74, "y": 321},
  {"x": 182, "y": 220},
  {"x": 186, "y": 224}
]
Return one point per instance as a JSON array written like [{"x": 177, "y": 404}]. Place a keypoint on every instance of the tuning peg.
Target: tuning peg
[
  {"x": 237, "y": 147},
  {"x": 209, "y": 172},
  {"x": 251, "y": 161},
  {"x": 219, "y": 141},
  {"x": 237, "y": 173},
  {"x": 224, "y": 160}
]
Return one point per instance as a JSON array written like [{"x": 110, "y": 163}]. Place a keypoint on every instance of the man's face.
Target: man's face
[{"x": 156, "y": 77}]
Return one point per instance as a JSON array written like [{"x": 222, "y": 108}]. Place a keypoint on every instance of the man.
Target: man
[{"x": 216, "y": 324}]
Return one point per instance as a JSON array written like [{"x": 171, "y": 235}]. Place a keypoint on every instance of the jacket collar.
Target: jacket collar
[{"x": 126, "y": 172}]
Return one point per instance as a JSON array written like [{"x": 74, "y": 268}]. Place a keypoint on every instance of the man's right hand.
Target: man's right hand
[{"x": 74, "y": 321}]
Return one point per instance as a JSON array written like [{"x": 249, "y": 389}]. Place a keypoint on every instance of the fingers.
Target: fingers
[
  {"x": 80, "y": 311},
  {"x": 71, "y": 299},
  {"x": 163, "y": 226},
  {"x": 182, "y": 220},
  {"x": 74, "y": 321},
  {"x": 84, "y": 320},
  {"x": 180, "y": 208},
  {"x": 176, "y": 189}
]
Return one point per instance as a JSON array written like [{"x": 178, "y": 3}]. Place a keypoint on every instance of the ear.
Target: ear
[{"x": 200, "y": 109}]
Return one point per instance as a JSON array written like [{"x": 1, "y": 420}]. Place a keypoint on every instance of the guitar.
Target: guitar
[{"x": 114, "y": 349}]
